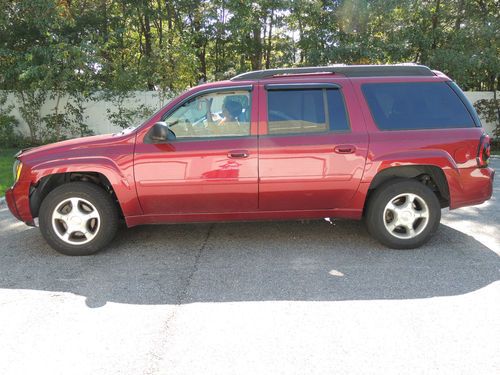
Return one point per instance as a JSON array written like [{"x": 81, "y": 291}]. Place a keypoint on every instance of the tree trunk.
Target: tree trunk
[
  {"x": 199, "y": 44},
  {"x": 58, "y": 125},
  {"x": 435, "y": 23},
  {"x": 148, "y": 46},
  {"x": 301, "y": 45},
  {"x": 256, "y": 55},
  {"x": 269, "y": 40},
  {"x": 460, "y": 10}
]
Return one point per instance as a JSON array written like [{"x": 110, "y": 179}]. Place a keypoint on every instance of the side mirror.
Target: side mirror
[{"x": 160, "y": 133}]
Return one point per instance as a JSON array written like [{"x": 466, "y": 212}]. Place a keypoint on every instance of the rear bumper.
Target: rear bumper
[{"x": 476, "y": 187}]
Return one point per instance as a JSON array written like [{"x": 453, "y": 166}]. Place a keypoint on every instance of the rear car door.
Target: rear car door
[
  {"x": 211, "y": 166},
  {"x": 312, "y": 148}
]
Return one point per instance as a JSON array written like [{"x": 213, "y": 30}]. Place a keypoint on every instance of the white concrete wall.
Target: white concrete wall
[
  {"x": 99, "y": 123},
  {"x": 474, "y": 96},
  {"x": 96, "y": 111}
]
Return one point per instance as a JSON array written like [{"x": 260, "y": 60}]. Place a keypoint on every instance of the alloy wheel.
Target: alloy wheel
[
  {"x": 406, "y": 216},
  {"x": 76, "y": 221}
]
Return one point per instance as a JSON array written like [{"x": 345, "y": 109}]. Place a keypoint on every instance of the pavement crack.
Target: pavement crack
[
  {"x": 156, "y": 354},
  {"x": 184, "y": 291}
]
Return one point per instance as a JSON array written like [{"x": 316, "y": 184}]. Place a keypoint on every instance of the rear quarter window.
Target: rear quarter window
[{"x": 416, "y": 105}]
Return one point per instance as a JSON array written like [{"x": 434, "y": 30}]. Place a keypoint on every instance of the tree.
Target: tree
[{"x": 55, "y": 50}]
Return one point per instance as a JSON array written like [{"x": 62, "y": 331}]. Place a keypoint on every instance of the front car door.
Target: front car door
[
  {"x": 312, "y": 148},
  {"x": 211, "y": 166}
]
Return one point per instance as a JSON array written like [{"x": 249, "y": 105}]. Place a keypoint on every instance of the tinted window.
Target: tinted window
[
  {"x": 306, "y": 111},
  {"x": 336, "y": 111},
  {"x": 416, "y": 105}
]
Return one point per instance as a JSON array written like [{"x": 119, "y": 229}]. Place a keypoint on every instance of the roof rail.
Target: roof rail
[{"x": 346, "y": 70}]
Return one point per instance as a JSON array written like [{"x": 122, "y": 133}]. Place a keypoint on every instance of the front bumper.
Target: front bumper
[
  {"x": 18, "y": 201},
  {"x": 11, "y": 203}
]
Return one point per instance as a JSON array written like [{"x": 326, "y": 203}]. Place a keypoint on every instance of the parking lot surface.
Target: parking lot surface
[{"x": 255, "y": 298}]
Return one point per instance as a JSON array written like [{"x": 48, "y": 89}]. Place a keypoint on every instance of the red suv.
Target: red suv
[{"x": 391, "y": 144}]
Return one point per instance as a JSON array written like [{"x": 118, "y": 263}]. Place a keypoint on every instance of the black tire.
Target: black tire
[
  {"x": 375, "y": 218},
  {"x": 99, "y": 198}
]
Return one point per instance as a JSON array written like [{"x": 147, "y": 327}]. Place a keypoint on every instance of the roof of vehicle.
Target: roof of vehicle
[{"x": 394, "y": 70}]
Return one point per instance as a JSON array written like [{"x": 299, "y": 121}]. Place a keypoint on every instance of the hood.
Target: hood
[{"x": 72, "y": 145}]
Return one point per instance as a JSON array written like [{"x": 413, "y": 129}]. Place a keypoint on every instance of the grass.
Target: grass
[{"x": 6, "y": 161}]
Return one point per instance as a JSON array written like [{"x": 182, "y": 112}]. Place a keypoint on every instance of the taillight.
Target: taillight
[{"x": 484, "y": 150}]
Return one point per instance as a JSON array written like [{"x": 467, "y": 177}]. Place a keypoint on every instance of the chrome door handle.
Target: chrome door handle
[
  {"x": 345, "y": 149},
  {"x": 238, "y": 154}
]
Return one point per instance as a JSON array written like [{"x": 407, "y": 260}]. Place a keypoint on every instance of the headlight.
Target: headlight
[{"x": 16, "y": 170}]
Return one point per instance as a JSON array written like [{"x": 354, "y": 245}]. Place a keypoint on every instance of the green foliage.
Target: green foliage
[
  {"x": 63, "y": 46},
  {"x": 8, "y": 123},
  {"x": 495, "y": 146},
  {"x": 9, "y": 136},
  {"x": 489, "y": 110},
  {"x": 67, "y": 122},
  {"x": 64, "y": 121},
  {"x": 30, "y": 109},
  {"x": 50, "y": 49},
  {"x": 6, "y": 161},
  {"x": 127, "y": 110}
]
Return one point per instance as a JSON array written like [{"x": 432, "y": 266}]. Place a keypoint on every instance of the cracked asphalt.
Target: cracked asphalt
[{"x": 255, "y": 298}]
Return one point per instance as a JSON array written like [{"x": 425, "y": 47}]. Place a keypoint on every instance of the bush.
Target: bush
[
  {"x": 489, "y": 110},
  {"x": 66, "y": 120},
  {"x": 128, "y": 111},
  {"x": 8, "y": 135},
  {"x": 495, "y": 144}
]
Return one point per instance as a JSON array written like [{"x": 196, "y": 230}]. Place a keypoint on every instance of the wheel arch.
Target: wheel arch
[
  {"x": 102, "y": 172},
  {"x": 49, "y": 182},
  {"x": 430, "y": 175}
]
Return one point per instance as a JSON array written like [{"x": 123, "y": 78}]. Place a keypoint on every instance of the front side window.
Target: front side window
[
  {"x": 416, "y": 105},
  {"x": 299, "y": 111},
  {"x": 219, "y": 114}
]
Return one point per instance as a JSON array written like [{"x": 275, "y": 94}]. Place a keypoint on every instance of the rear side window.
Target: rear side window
[
  {"x": 416, "y": 105},
  {"x": 301, "y": 111}
]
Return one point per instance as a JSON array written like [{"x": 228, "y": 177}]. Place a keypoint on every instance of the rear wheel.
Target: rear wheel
[
  {"x": 403, "y": 214},
  {"x": 78, "y": 218}
]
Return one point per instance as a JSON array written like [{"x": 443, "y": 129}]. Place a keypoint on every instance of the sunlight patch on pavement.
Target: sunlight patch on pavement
[
  {"x": 60, "y": 332},
  {"x": 336, "y": 273},
  {"x": 485, "y": 233}
]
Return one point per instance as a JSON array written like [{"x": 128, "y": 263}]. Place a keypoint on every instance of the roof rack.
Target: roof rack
[{"x": 346, "y": 70}]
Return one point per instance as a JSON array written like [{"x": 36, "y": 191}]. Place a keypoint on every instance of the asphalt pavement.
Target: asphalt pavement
[{"x": 255, "y": 298}]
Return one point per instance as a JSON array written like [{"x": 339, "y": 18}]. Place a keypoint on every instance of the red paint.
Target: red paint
[{"x": 260, "y": 177}]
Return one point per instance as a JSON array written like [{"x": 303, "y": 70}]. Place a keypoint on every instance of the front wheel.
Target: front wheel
[
  {"x": 403, "y": 214},
  {"x": 78, "y": 218}
]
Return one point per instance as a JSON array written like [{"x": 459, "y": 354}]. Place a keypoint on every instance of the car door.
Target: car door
[
  {"x": 211, "y": 165},
  {"x": 311, "y": 152}
]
